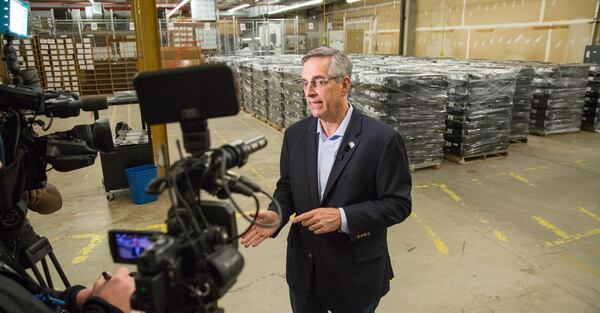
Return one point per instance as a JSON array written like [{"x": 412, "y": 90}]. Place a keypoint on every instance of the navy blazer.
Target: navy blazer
[{"x": 371, "y": 180}]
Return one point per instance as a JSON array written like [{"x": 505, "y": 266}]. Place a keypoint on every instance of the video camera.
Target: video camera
[
  {"x": 196, "y": 262},
  {"x": 25, "y": 155}
]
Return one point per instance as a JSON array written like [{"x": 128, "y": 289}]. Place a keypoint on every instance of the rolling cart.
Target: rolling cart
[{"x": 114, "y": 164}]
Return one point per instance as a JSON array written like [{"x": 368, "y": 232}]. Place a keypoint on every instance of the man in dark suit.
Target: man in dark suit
[{"x": 346, "y": 178}]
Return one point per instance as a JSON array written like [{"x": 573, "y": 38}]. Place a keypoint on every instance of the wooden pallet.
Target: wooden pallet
[
  {"x": 435, "y": 165},
  {"x": 477, "y": 157},
  {"x": 248, "y": 110},
  {"x": 517, "y": 140},
  {"x": 277, "y": 127},
  {"x": 267, "y": 121},
  {"x": 546, "y": 133}
]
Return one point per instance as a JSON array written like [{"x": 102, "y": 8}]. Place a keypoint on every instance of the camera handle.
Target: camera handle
[{"x": 37, "y": 253}]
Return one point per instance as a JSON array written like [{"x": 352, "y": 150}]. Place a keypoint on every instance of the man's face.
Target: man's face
[{"x": 327, "y": 100}]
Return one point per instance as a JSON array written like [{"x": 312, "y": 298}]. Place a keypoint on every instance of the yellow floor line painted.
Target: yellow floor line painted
[
  {"x": 444, "y": 188},
  {"x": 500, "y": 235},
  {"x": 95, "y": 240},
  {"x": 162, "y": 227},
  {"x": 449, "y": 192},
  {"x": 579, "y": 162},
  {"x": 579, "y": 264},
  {"x": 262, "y": 178},
  {"x": 589, "y": 233},
  {"x": 589, "y": 213},
  {"x": 421, "y": 186},
  {"x": 551, "y": 227},
  {"x": 522, "y": 179},
  {"x": 439, "y": 244},
  {"x": 535, "y": 168},
  {"x": 219, "y": 135},
  {"x": 251, "y": 127}
]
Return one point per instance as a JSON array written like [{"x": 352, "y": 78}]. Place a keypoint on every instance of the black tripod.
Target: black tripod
[{"x": 29, "y": 249}]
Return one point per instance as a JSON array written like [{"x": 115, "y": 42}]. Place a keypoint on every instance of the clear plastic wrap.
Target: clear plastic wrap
[
  {"x": 409, "y": 99},
  {"x": 479, "y": 108},
  {"x": 558, "y": 98},
  {"x": 590, "y": 118}
]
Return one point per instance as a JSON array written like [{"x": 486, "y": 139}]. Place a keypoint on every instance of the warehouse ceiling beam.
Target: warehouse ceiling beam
[{"x": 148, "y": 50}]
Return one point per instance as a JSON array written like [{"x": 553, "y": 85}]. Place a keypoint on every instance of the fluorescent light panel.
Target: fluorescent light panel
[
  {"x": 238, "y": 8},
  {"x": 175, "y": 9},
  {"x": 296, "y": 6},
  {"x": 352, "y": 1}
]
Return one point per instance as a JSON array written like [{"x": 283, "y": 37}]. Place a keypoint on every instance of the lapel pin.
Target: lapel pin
[{"x": 351, "y": 145}]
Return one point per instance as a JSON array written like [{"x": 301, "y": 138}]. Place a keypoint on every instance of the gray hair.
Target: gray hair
[{"x": 340, "y": 64}]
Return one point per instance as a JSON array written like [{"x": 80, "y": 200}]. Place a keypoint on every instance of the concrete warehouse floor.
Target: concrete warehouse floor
[{"x": 505, "y": 235}]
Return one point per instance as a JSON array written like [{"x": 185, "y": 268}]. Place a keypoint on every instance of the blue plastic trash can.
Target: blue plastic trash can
[{"x": 138, "y": 178}]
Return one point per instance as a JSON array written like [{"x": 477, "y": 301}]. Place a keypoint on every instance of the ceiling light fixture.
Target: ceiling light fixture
[
  {"x": 239, "y": 7},
  {"x": 296, "y": 6},
  {"x": 352, "y": 1},
  {"x": 175, "y": 9}
]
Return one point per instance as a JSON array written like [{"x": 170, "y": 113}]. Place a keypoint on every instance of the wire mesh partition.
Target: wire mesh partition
[
  {"x": 92, "y": 57},
  {"x": 262, "y": 36}
]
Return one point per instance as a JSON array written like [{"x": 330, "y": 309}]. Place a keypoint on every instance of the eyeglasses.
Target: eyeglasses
[{"x": 315, "y": 83}]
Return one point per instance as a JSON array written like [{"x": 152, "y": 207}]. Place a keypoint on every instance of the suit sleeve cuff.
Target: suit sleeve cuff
[{"x": 344, "y": 227}]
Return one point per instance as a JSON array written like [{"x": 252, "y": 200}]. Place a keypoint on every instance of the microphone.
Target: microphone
[
  {"x": 344, "y": 148},
  {"x": 93, "y": 103}
]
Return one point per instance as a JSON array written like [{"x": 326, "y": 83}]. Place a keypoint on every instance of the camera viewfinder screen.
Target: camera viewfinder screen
[{"x": 130, "y": 246}]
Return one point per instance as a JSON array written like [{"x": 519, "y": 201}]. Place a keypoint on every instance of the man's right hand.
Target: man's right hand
[
  {"x": 116, "y": 291},
  {"x": 257, "y": 234}
]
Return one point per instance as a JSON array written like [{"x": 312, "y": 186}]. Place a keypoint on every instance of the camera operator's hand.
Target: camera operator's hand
[
  {"x": 34, "y": 197},
  {"x": 116, "y": 291},
  {"x": 82, "y": 296},
  {"x": 257, "y": 234},
  {"x": 45, "y": 200}
]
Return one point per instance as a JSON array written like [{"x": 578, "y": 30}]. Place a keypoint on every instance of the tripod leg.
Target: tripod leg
[
  {"x": 47, "y": 273},
  {"x": 59, "y": 270},
  {"x": 38, "y": 276}
]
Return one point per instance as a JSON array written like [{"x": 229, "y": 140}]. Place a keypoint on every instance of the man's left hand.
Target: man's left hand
[{"x": 320, "y": 220}]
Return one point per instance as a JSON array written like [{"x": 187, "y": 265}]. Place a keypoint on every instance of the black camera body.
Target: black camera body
[
  {"x": 27, "y": 154},
  {"x": 207, "y": 261},
  {"x": 196, "y": 261}
]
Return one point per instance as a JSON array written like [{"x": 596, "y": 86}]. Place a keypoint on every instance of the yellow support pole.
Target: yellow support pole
[
  {"x": 3, "y": 73},
  {"x": 148, "y": 53},
  {"x": 4, "y": 77}
]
